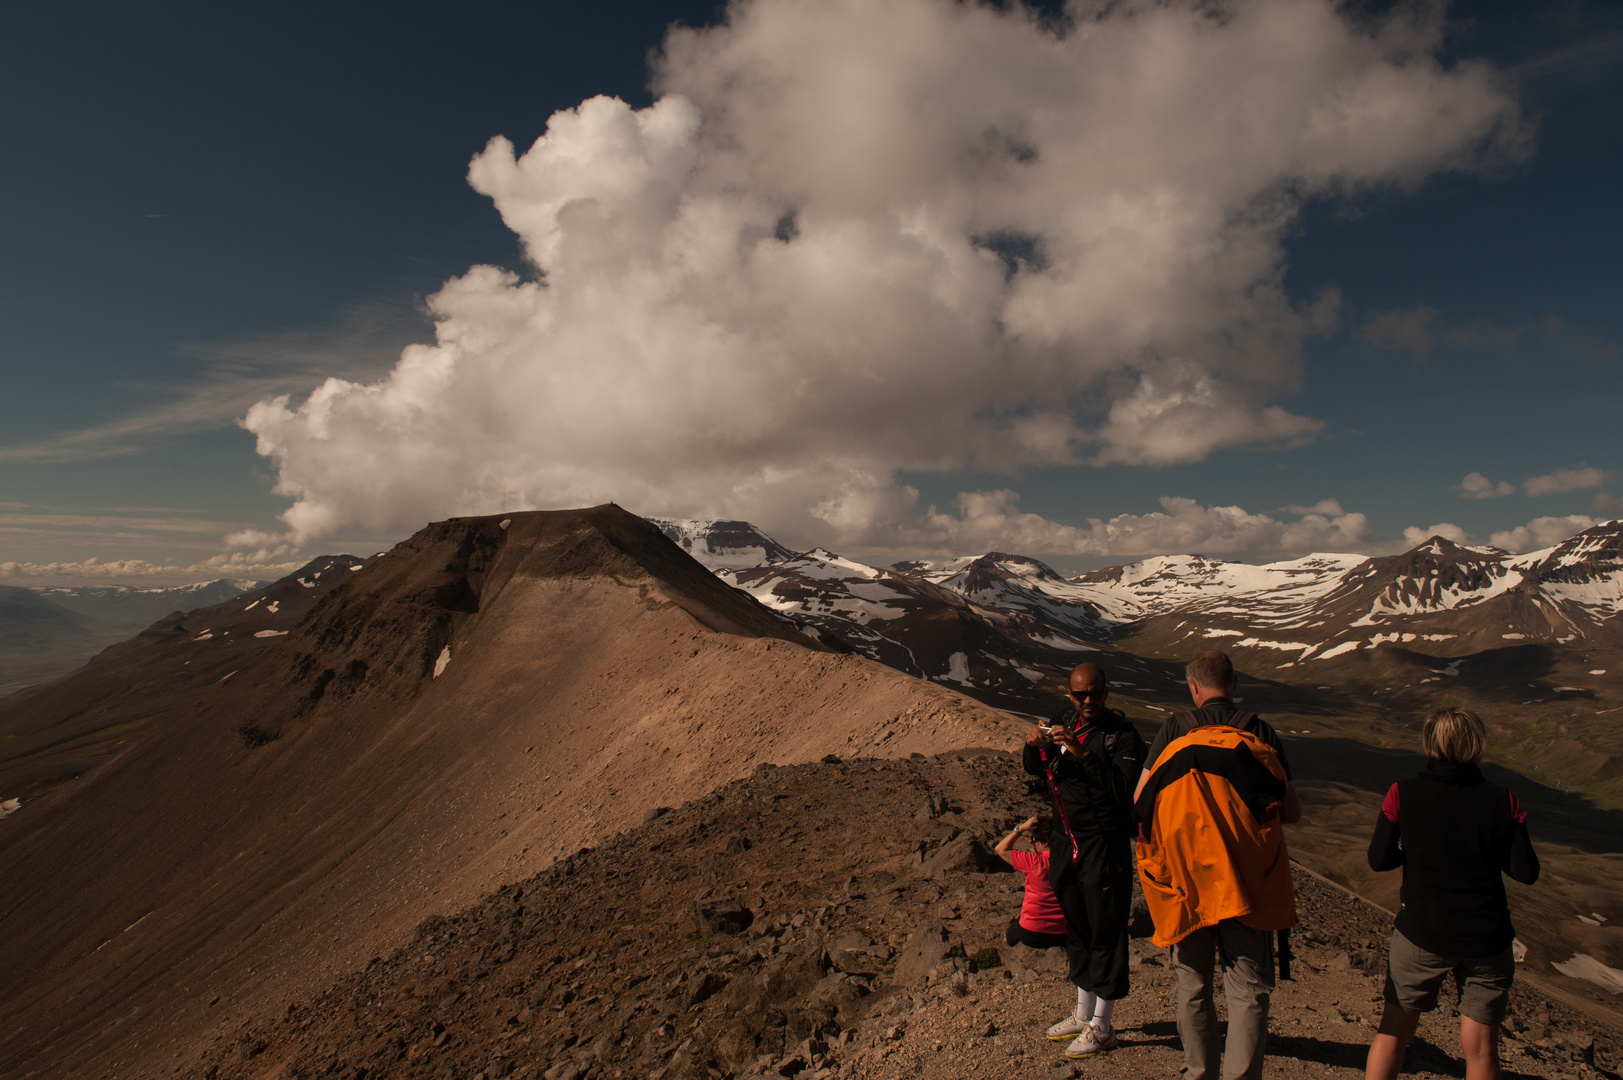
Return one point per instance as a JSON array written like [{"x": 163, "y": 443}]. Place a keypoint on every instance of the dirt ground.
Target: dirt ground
[{"x": 1320, "y": 1026}]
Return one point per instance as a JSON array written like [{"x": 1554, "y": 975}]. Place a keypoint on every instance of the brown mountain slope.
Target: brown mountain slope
[
  {"x": 56, "y": 731},
  {"x": 454, "y": 716}
]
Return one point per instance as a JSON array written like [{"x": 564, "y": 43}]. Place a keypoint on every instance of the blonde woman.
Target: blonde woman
[{"x": 1455, "y": 835}]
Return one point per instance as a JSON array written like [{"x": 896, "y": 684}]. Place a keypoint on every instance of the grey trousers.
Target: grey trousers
[{"x": 1248, "y": 982}]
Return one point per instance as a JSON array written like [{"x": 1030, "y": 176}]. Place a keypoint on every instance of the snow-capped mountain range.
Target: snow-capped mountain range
[
  {"x": 997, "y": 622},
  {"x": 132, "y": 605}
]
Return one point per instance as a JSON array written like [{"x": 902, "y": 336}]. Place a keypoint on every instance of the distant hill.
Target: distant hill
[
  {"x": 36, "y": 634},
  {"x": 1438, "y": 599},
  {"x": 1536, "y": 639},
  {"x": 55, "y": 628},
  {"x": 134, "y": 607},
  {"x": 948, "y": 627}
]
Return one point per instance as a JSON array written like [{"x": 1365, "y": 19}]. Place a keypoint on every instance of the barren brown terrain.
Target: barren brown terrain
[
  {"x": 54, "y": 732},
  {"x": 307, "y": 812}
]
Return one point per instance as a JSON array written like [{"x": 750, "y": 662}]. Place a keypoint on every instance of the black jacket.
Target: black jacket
[
  {"x": 1093, "y": 796},
  {"x": 1455, "y": 834}
]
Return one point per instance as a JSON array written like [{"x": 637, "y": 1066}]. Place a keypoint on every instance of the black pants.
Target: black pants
[
  {"x": 1096, "y": 894},
  {"x": 1019, "y": 935}
]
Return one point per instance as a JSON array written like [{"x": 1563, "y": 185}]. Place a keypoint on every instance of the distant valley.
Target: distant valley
[
  {"x": 1534, "y": 640},
  {"x": 48, "y": 631}
]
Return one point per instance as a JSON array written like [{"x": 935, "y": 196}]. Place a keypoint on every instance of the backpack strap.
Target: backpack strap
[{"x": 1245, "y": 721}]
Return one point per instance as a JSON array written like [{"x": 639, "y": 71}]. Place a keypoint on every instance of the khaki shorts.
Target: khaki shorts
[{"x": 1414, "y": 976}]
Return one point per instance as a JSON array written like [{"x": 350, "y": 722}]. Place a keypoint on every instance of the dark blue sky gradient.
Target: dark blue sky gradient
[{"x": 180, "y": 175}]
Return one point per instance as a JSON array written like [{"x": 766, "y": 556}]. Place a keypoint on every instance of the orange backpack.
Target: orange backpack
[{"x": 1215, "y": 847}]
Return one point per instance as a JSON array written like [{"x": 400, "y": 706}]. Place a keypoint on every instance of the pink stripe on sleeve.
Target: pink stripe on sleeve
[
  {"x": 1389, "y": 806},
  {"x": 1517, "y": 814}
]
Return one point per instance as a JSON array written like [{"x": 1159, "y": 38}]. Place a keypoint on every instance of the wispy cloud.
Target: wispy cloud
[
  {"x": 1406, "y": 330},
  {"x": 1601, "y": 51},
  {"x": 29, "y": 531},
  {"x": 82, "y": 522},
  {"x": 232, "y": 376},
  {"x": 1564, "y": 480},
  {"x": 119, "y": 533},
  {"x": 1421, "y": 330}
]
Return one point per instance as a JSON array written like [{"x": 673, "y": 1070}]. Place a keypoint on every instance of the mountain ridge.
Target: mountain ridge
[
  {"x": 490, "y": 695},
  {"x": 1439, "y": 597}
]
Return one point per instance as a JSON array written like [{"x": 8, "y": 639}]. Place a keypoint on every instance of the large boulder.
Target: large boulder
[
  {"x": 926, "y": 949},
  {"x": 961, "y": 855},
  {"x": 723, "y": 914}
]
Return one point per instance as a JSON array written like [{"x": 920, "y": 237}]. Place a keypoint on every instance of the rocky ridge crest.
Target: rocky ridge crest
[{"x": 840, "y": 919}]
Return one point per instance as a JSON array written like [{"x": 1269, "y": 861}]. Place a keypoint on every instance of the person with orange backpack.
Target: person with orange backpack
[{"x": 1212, "y": 801}]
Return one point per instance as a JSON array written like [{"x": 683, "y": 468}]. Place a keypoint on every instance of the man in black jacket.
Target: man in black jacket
[{"x": 1090, "y": 757}]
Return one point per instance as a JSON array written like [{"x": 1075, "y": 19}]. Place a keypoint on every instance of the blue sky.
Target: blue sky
[{"x": 201, "y": 208}]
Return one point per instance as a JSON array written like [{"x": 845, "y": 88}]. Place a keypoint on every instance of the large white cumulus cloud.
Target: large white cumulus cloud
[{"x": 856, "y": 237}]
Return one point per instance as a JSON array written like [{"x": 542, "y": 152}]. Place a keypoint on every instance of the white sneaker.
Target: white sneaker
[
  {"x": 1091, "y": 1042},
  {"x": 1068, "y": 1028}
]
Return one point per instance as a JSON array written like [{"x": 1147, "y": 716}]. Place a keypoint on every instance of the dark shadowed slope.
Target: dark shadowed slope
[{"x": 54, "y": 732}]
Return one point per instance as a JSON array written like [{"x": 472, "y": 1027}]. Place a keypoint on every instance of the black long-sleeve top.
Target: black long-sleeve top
[
  {"x": 1093, "y": 795},
  {"x": 1454, "y": 834}
]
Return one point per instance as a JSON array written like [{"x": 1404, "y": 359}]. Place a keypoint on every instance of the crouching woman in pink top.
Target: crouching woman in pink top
[{"x": 1041, "y": 922}]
